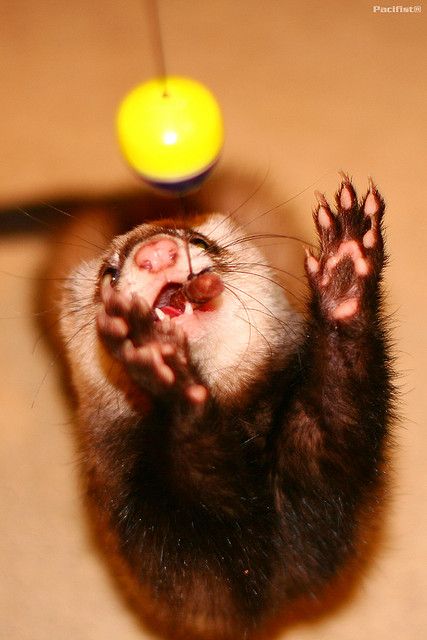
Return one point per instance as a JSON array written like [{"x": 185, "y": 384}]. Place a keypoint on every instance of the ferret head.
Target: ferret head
[{"x": 211, "y": 281}]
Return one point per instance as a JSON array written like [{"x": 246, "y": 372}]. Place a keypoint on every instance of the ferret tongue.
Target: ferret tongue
[{"x": 171, "y": 311}]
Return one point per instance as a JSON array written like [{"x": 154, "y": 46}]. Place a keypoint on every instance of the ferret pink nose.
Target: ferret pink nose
[{"x": 157, "y": 255}]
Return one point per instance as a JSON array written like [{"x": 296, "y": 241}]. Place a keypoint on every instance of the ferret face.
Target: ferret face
[
  {"x": 177, "y": 271},
  {"x": 210, "y": 281}
]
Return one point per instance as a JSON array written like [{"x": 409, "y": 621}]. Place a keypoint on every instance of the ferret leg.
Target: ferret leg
[{"x": 330, "y": 447}]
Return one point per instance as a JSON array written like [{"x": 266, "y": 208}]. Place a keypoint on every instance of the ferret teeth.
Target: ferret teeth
[
  {"x": 159, "y": 313},
  {"x": 188, "y": 308}
]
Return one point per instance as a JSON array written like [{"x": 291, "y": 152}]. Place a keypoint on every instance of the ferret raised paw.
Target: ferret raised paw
[{"x": 232, "y": 448}]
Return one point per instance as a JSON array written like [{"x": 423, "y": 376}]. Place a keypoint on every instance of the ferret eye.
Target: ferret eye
[
  {"x": 198, "y": 241},
  {"x": 112, "y": 273}
]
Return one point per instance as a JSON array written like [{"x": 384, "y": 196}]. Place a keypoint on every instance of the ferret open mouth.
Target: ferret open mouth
[
  {"x": 177, "y": 299},
  {"x": 172, "y": 302}
]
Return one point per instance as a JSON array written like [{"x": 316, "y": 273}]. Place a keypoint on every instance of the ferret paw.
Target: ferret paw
[
  {"x": 153, "y": 353},
  {"x": 351, "y": 252},
  {"x": 161, "y": 364}
]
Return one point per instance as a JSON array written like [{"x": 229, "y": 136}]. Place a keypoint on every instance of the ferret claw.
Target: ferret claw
[{"x": 346, "y": 196}]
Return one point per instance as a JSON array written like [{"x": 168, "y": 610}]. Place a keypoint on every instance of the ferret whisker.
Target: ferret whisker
[
  {"x": 243, "y": 305},
  {"x": 230, "y": 214},
  {"x": 19, "y": 276},
  {"x": 251, "y": 195},
  {"x": 232, "y": 289},
  {"x": 68, "y": 214},
  {"x": 55, "y": 228},
  {"x": 39, "y": 221},
  {"x": 270, "y": 210},
  {"x": 270, "y": 267},
  {"x": 260, "y": 333},
  {"x": 85, "y": 247},
  {"x": 37, "y": 278},
  {"x": 35, "y": 314},
  {"x": 28, "y": 316},
  {"x": 52, "y": 325},
  {"x": 277, "y": 284},
  {"x": 72, "y": 310},
  {"x": 249, "y": 323},
  {"x": 53, "y": 362},
  {"x": 73, "y": 278},
  {"x": 248, "y": 440},
  {"x": 88, "y": 301},
  {"x": 267, "y": 245},
  {"x": 284, "y": 203},
  {"x": 265, "y": 236},
  {"x": 286, "y": 326}
]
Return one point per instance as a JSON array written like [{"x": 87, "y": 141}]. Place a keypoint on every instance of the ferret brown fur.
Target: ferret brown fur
[{"x": 232, "y": 448}]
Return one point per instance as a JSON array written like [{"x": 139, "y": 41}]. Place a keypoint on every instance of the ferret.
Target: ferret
[{"x": 233, "y": 448}]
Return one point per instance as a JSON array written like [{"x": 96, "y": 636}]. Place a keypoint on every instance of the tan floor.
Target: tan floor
[{"x": 306, "y": 89}]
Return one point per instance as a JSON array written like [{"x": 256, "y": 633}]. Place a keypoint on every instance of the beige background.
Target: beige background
[{"x": 306, "y": 88}]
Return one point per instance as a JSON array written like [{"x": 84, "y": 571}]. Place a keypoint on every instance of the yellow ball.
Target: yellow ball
[{"x": 171, "y": 132}]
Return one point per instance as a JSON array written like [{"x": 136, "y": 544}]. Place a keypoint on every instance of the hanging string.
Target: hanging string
[{"x": 153, "y": 15}]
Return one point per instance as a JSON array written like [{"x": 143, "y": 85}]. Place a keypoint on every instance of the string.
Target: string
[{"x": 157, "y": 41}]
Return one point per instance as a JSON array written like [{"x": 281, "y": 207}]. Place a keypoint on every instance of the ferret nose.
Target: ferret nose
[{"x": 157, "y": 255}]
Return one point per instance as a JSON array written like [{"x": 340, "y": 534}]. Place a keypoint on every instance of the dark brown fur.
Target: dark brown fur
[{"x": 224, "y": 511}]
